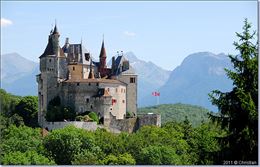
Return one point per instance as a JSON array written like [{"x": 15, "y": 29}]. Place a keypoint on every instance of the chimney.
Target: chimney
[
  {"x": 113, "y": 65},
  {"x": 67, "y": 41}
]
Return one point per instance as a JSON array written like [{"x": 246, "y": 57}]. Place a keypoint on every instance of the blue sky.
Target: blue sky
[{"x": 161, "y": 32}]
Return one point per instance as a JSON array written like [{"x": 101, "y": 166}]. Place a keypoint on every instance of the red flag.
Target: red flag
[{"x": 156, "y": 93}]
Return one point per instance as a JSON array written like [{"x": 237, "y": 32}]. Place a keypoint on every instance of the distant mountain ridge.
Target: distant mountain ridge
[
  {"x": 18, "y": 74},
  {"x": 192, "y": 81}
]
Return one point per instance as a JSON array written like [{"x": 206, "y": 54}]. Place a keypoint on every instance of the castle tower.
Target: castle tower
[
  {"x": 52, "y": 63},
  {"x": 102, "y": 60},
  {"x": 126, "y": 74},
  {"x": 131, "y": 91}
]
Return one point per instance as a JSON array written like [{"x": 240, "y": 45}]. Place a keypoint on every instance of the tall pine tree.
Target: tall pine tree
[{"x": 238, "y": 109}]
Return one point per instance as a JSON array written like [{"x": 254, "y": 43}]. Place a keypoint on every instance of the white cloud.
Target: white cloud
[
  {"x": 130, "y": 34},
  {"x": 5, "y": 22}
]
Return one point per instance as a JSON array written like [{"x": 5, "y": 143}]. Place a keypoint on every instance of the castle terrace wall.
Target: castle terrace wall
[
  {"x": 91, "y": 126},
  {"x": 128, "y": 125},
  {"x": 131, "y": 125},
  {"x": 149, "y": 119}
]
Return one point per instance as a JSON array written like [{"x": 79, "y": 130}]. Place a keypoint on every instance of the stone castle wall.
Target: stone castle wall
[
  {"x": 131, "y": 94},
  {"x": 91, "y": 126},
  {"x": 114, "y": 125},
  {"x": 131, "y": 125},
  {"x": 149, "y": 119}
]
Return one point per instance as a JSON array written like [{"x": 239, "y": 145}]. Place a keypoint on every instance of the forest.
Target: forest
[{"x": 229, "y": 137}]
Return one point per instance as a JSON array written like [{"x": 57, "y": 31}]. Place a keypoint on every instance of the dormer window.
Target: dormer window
[
  {"x": 87, "y": 56},
  {"x": 132, "y": 80}
]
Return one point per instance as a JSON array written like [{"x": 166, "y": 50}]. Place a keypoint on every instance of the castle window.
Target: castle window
[
  {"x": 124, "y": 90},
  {"x": 132, "y": 80},
  {"x": 121, "y": 90},
  {"x": 87, "y": 56},
  {"x": 78, "y": 84},
  {"x": 116, "y": 90},
  {"x": 49, "y": 60},
  {"x": 91, "y": 107},
  {"x": 87, "y": 100},
  {"x": 73, "y": 68},
  {"x": 97, "y": 84},
  {"x": 113, "y": 101},
  {"x": 108, "y": 89},
  {"x": 123, "y": 101},
  {"x": 89, "y": 84}
]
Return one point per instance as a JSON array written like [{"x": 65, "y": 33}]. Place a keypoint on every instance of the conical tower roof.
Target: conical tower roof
[{"x": 103, "y": 50}]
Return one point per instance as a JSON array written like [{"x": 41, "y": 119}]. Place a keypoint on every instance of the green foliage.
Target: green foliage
[
  {"x": 84, "y": 118},
  {"x": 87, "y": 157},
  {"x": 26, "y": 158},
  {"x": 110, "y": 143},
  {"x": 7, "y": 115},
  {"x": 64, "y": 144},
  {"x": 21, "y": 139},
  {"x": 159, "y": 155},
  {"x": 129, "y": 114},
  {"x": 155, "y": 136},
  {"x": 204, "y": 144},
  {"x": 178, "y": 112},
  {"x": 238, "y": 109},
  {"x": 93, "y": 116},
  {"x": 27, "y": 108},
  {"x": 121, "y": 159},
  {"x": 56, "y": 112},
  {"x": 79, "y": 118},
  {"x": 8, "y": 102}
]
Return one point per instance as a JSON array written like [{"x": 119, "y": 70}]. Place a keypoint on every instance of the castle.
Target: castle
[{"x": 71, "y": 73}]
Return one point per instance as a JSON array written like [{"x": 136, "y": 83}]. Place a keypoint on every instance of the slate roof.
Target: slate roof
[
  {"x": 118, "y": 64},
  {"x": 49, "y": 50}
]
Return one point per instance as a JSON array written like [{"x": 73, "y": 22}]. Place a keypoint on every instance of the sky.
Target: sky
[{"x": 161, "y": 32}]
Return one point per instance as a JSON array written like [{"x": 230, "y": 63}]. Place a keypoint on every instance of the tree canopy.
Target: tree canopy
[{"x": 238, "y": 109}]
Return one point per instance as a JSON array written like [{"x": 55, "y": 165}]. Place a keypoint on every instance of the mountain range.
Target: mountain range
[
  {"x": 197, "y": 76},
  {"x": 18, "y": 74},
  {"x": 189, "y": 83}
]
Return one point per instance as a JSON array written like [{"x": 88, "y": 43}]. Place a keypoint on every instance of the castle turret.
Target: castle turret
[
  {"x": 52, "y": 68},
  {"x": 103, "y": 56},
  {"x": 102, "y": 60}
]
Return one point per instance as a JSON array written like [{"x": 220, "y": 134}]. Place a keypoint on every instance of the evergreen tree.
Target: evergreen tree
[{"x": 238, "y": 109}]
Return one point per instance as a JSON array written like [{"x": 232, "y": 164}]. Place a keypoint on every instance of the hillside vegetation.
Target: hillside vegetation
[{"x": 178, "y": 112}]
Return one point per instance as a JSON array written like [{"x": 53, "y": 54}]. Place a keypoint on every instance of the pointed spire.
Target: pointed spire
[
  {"x": 55, "y": 31},
  {"x": 103, "y": 50}
]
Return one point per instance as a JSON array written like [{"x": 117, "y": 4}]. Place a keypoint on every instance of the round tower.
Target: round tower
[{"x": 49, "y": 74}]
